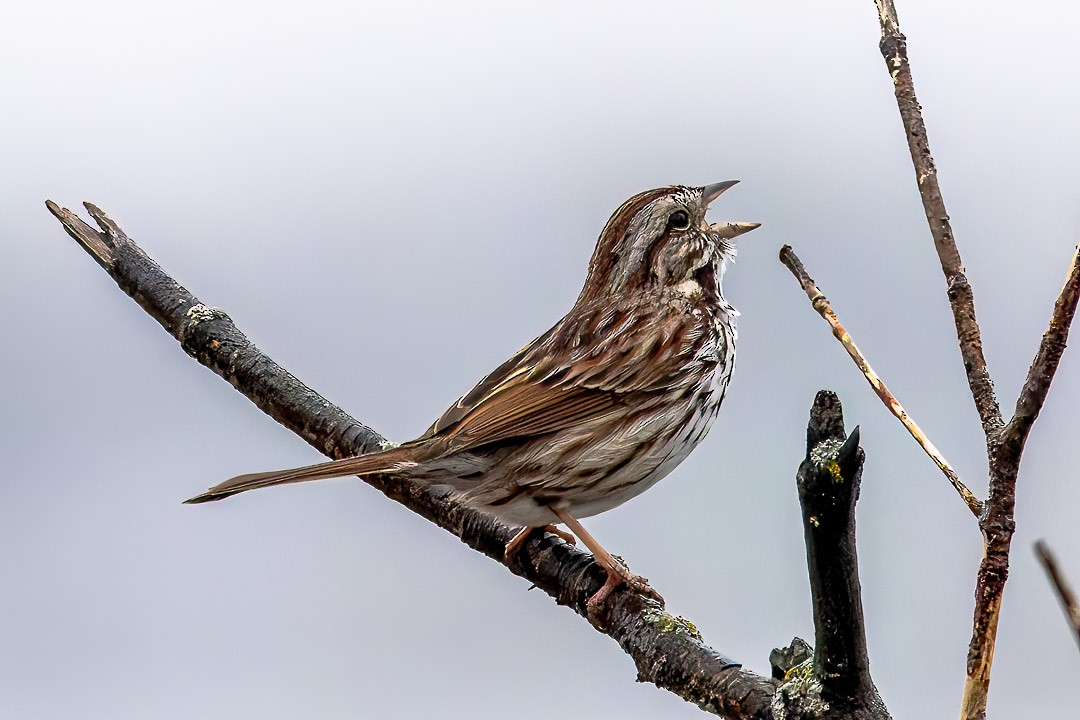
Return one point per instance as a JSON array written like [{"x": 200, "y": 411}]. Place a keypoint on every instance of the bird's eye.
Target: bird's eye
[{"x": 679, "y": 220}]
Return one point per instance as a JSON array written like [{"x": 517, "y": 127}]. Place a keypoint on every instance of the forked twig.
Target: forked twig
[
  {"x": 1065, "y": 594},
  {"x": 1004, "y": 444},
  {"x": 821, "y": 304}
]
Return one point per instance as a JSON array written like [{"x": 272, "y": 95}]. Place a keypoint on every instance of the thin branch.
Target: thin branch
[
  {"x": 667, "y": 651},
  {"x": 821, "y": 304},
  {"x": 1045, "y": 364},
  {"x": 961, "y": 299},
  {"x": 1065, "y": 594}
]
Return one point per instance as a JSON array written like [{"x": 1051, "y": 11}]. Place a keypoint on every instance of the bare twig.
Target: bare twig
[
  {"x": 1065, "y": 594},
  {"x": 1043, "y": 367},
  {"x": 961, "y": 299},
  {"x": 824, "y": 308},
  {"x": 998, "y": 522},
  {"x": 667, "y": 650}
]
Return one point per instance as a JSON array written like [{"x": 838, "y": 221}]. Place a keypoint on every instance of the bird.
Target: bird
[{"x": 600, "y": 407}]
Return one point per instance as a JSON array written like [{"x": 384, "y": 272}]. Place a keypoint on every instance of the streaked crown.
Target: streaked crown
[{"x": 660, "y": 238}]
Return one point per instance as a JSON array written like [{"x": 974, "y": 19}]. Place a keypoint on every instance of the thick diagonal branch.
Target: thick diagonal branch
[
  {"x": 666, "y": 650},
  {"x": 961, "y": 299}
]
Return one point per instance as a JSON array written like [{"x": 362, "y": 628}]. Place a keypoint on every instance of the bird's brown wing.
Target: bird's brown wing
[
  {"x": 488, "y": 384},
  {"x": 559, "y": 381},
  {"x": 526, "y": 396},
  {"x": 521, "y": 405},
  {"x": 524, "y": 409}
]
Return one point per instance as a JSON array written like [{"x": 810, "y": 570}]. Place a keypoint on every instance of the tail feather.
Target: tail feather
[{"x": 387, "y": 461}]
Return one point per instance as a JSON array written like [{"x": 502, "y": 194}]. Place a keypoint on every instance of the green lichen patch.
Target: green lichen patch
[
  {"x": 665, "y": 622},
  {"x": 825, "y": 452},
  {"x": 800, "y": 695}
]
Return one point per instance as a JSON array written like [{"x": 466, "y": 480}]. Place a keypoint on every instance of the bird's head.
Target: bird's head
[{"x": 660, "y": 239}]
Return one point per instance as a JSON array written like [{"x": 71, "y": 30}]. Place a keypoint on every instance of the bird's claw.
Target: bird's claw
[{"x": 638, "y": 584}]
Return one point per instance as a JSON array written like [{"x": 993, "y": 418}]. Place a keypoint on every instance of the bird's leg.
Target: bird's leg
[
  {"x": 516, "y": 542},
  {"x": 617, "y": 573}
]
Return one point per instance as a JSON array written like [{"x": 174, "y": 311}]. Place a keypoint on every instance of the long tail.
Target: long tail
[{"x": 386, "y": 461}]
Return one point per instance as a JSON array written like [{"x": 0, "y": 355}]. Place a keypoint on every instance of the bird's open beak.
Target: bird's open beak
[
  {"x": 726, "y": 230},
  {"x": 711, "y": 192}
]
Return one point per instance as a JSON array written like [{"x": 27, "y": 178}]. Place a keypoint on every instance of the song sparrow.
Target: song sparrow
[{"x": 601, "y": 406}]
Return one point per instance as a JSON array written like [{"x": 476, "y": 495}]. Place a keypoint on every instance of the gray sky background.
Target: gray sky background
[{"x": 391, "y": 198}]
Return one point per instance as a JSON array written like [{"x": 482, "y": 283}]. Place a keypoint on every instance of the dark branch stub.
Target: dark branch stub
[
  {"x": 828, "y": 480},
  {"x": 788, "y": 660}
]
